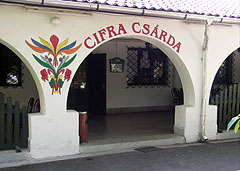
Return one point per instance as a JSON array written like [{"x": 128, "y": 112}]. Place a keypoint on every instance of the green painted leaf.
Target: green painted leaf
[
  {"x": 64, "y": 60},
  {"x": 237, "y": 126},
  {"x": 51, "y": 82},
  {"x": 233, "y": 120},
  {"x": 60, "y": 82},
  {"x": 69, "y": 61},
  {"x": 41, "y": 62},
  {"x": 65, "y": 64},
  {"x": 46, "y": 61}
]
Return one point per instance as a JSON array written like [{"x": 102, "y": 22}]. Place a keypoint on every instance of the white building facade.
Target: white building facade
[{"x": 52, "y": 40}]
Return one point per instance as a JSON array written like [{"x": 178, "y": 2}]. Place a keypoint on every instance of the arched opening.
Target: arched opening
[
  {"x": 18, "y": 97},
  {"x": 225, "y": 90},
  {"x": 129, "y": 88}
]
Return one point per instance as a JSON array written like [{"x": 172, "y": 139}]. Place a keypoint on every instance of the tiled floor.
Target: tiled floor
[{"x": 130, "y": 125}]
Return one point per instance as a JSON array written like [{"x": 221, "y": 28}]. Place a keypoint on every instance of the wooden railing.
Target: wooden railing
[
  {"x": 13, "y": 124},
  {"x": 228, "y": 101}
]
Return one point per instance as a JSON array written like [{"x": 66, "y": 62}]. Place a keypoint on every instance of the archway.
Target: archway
[
  {"x": 19, "y": 96},
  {"x": 174, "y": 58},
  {"x": 225, "y": 90}
]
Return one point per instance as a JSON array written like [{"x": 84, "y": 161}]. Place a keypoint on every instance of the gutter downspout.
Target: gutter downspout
[{"x": 204, "y": 79}]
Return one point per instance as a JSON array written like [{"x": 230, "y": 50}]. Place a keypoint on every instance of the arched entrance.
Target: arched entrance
[
  {"x": 148, "y": 106},
  {"x": 19, "y": 97},
  {"x": 225, "y": 90}
]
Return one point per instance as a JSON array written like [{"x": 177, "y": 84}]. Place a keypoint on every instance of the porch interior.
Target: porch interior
[{"x": 125, "y": 127}]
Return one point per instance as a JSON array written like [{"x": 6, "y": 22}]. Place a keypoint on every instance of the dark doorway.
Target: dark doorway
[
  {"x": 88, "y": 88},
  {"x": 96, "y": 83}
]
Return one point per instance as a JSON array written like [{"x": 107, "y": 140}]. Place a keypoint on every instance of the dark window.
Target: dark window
[
  {"x": 147, "y": 67},
  {"x": 10, "y": 68},
  {"x": 224, "y": 76},
  {"x": 225, "y": 72}
]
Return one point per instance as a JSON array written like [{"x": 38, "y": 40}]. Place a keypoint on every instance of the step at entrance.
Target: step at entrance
[{"x": 114, "y": 145}]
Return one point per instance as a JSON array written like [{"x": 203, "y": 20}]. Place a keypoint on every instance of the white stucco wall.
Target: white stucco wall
[
  {"x": 222, "y": 42},
  {"x": 54, "y": 120},
  {"x": 119, "y": 95},
  {"x": 235, "y": 69},
  {"x": 60, "y": 127}
]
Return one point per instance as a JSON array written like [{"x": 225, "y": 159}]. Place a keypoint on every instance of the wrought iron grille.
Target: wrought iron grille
[
  {"x": 147, "y": 67},
  {"x": 224, "y": 76},
  {"x": 225, "y": 72},
  {"x": 10, "y": 68}
]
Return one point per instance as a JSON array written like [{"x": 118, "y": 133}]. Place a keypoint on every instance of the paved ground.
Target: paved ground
[
  {"x": 138, "y": 124},
  {"x": 200, "y": 157}
]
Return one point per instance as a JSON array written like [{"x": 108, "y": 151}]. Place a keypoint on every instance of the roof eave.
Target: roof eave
[{"x": 124, "y": 10}]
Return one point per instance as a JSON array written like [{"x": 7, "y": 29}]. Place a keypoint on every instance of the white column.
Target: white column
[
  {"x": 187, "y": 122},
  {"x": 55, "y": 132}
]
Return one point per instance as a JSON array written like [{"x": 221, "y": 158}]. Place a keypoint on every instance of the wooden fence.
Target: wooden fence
[
  {"x": 13, "y": 124},
  {"x": 228, "y": 101}
]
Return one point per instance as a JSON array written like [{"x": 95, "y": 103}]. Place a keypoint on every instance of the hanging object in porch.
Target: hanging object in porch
[
  {"x": 116, "y": 65},
  {"x": 57, "y": 58}
]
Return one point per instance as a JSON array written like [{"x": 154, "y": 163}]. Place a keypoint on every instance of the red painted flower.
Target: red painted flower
[
  {"x": 67, "y": 74},
  {"x": 44, "y": 75}
]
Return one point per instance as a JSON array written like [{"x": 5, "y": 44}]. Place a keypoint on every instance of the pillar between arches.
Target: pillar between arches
[
  {"x": 51, "y": 136},
  {"x": 211, "y": 122},
  {"x": 187, "y": 122}
]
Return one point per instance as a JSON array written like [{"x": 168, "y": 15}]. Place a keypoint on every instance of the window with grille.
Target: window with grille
[
  {"x": 225, "y": 72},
  {"x": 147, "y": 67},
  {"x": 224, "y": 76},
  {"x": 10, "y": 68}
]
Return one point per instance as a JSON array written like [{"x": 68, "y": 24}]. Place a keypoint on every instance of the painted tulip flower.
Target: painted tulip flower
[
  {"x": 54, "y": 72},
  {"x": 53, "y": 48}
]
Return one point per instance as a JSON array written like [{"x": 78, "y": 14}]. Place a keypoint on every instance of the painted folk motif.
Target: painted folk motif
[{"x": 56, "y": 60}]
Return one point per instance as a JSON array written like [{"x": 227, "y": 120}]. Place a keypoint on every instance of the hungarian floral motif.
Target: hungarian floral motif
[{"x": 55, "y": 59}]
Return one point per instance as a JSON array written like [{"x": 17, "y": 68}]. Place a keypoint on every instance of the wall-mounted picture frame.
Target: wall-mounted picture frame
[{"x": 116, "y": 65}]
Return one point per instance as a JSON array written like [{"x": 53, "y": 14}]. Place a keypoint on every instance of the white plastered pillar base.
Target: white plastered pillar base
[
  {"x": 187, "y": 123},
  {"x": 211, "y": 122},
  {"x": 51, "y": 135}
]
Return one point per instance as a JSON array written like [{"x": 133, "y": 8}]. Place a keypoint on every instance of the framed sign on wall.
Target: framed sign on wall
[{"x": 116, "y": 65}]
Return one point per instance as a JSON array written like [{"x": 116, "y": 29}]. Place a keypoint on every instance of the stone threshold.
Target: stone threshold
[
  {"x": 130, "y": 143},
  {"x": 139, "y": 109}
]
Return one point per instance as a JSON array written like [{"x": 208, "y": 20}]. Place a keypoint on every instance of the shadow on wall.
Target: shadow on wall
[{"x": 15, "y": 79}]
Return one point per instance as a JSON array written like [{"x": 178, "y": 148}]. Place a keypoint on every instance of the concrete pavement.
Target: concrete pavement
[{"x": 211, "y": 156}]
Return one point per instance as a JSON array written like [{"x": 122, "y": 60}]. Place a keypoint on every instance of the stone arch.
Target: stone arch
[
  {"x": 224, "y": 55},
  {"x": 188, "y": 88},
  {"x": 31, "y": 70},
  {"x": 182, "y": 111},
  {"x": 216, "y": 59}
]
